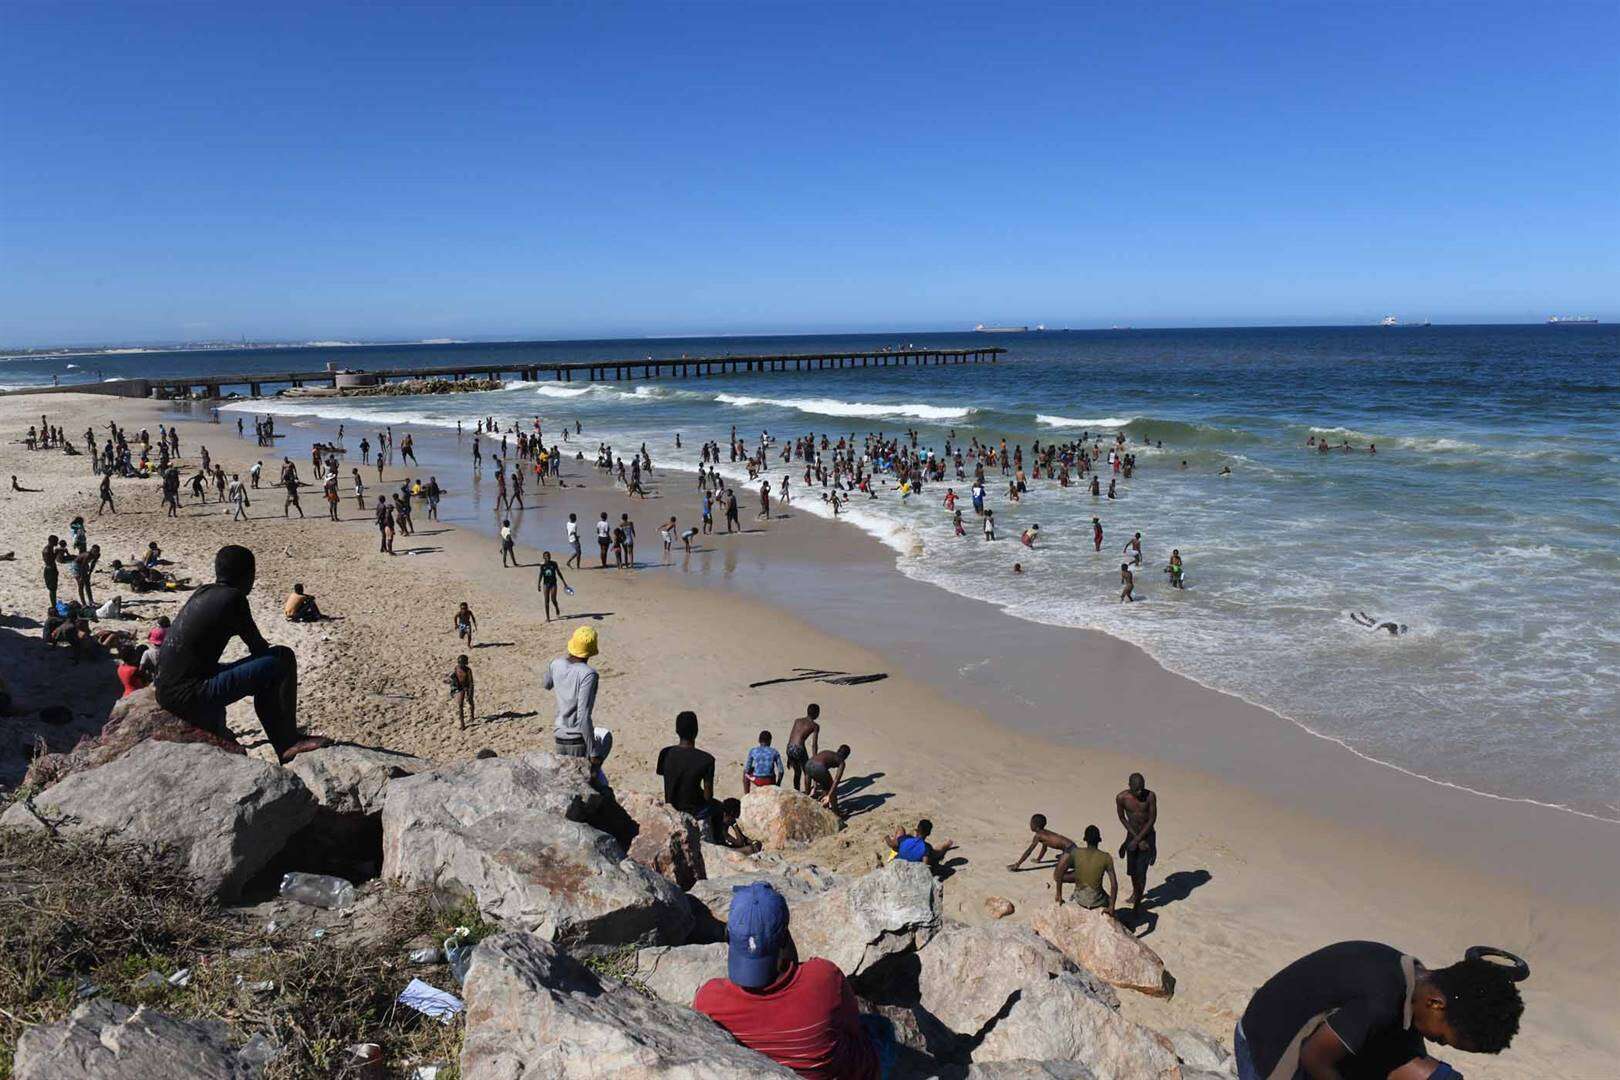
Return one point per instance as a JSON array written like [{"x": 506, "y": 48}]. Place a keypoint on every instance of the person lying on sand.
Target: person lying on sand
[
  {"x": 1043, "y": 838},
  {"x": 915, "y": 846}
]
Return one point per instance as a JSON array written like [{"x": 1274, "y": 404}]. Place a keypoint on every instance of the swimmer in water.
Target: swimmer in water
[
  {"x": 1361, "y": 618},
  {"x": 1175, "y": 570},
  {"x": 1031, "y": 534},
  {"x": 1127, "y": 582}
]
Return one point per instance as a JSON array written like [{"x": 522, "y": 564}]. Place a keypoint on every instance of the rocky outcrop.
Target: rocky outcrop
[
  {"x": 223, "y": 816},
  {"x": 675, "y": 974},
  {"x": 1063, "y": 1019},
  {"x": 133, "y": 720},
  {"x": 510, "y": 832},
  {"x": 1097, "y": 942},
  {"x": 349, "y": 779},
  {"x": 1201, "y": 1055},
  {"x": 533, "y": 1012},
  {"x": 666, "y": 841},
  {"x": 998, "y": 907},
  {"x": 1030, "y": 1070},
  {"x": 783, "y": 818},
  {"x": 796, "y": 884},
  {"x": 967, "y": 974},
  {"x": 104, "y": 1040},
  {"x": 859, "y": 921}
]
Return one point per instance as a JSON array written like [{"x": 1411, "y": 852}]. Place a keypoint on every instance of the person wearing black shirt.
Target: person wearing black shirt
[
  {"x": 687, "y": 771},
  {"x": 1361, "y": 1010},
  {"x": 191, "y": 682}
]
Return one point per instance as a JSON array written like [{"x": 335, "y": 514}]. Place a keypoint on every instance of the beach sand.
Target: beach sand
[{"x": 1271, "y": 842}]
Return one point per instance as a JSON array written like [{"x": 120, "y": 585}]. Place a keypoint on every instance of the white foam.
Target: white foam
[
  {"x": 834, "y": 407},
  {"x": 1066, "y": 422}
]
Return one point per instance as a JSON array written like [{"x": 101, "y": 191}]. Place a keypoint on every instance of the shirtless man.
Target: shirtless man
[
  {"x": 1127, "y": 584},
  {"x": 1134, "y": 547},
  {"x": 1096, "y": 534},
  {"x": 1139, "y": 813},
  {"x": 1043, "y": 838},
  {"x": 825, "y": 771},
  {"x": 806, "y": 732},
  {"x": 462, "y": 689}
]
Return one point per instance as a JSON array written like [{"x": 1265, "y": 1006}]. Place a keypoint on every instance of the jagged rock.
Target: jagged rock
[
  {"x": 1030, "y": 1070},
  {"x": 223, "y": 815},
  {"x": 666, "y": 841},
  {"x": 133, "y": 720},
  {"x": 509, "y": 831},
  {"x": 104, "y": 1040},
  {"x": 1097, "y": 942},
  {"x": 353, "y": 779},
  {"x": 719, "y": 860},
  {"x": 675, "y": 974},
  {"x": 795, "y": 883},
  {"x": 967, "y": 974},
  {"x": 860, "y": 920},
  {"x": 533, "y": 1012},
  {"x": 782, "y": 818},
  {"x": 998, "y": 907},
  {"x": 1063, "y": 1019},
  {"x": 1201, "y": 1052}
]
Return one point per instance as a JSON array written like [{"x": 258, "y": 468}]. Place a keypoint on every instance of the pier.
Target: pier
[{"x": 685, "y": 367}]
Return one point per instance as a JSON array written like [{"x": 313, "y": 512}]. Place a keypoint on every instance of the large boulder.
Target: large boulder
[
  {"x": 1200, "y": 1053},
  {"x": 511, "y": 832},
  {"x": 533, "y": 1013},
  {"x": 719, "y": 859},
  {"x": 781, "y": 818},
  {"x": 104, "y": 1040},
  {"x": 1063, "y": 1019},
  {"x": 666, "y": 841},
  {"x": 967, "y": 974},
  {"x": 859, "y": 921},
  {"x": 348, "y": 779},
  {"x": 133, "y": 720},
  {"x": 795, "y": 883},
  {"x": 224, "y": 816},
  {"x": 1030, "y": 1070},
  {"x": 675, "y": 974},
  {"x": 1097, "y": 942}
]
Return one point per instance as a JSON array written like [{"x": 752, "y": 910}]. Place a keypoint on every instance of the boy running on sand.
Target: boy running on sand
[
  {"x": 465, "y": 623},
  {"x": 461, "y": 688}
]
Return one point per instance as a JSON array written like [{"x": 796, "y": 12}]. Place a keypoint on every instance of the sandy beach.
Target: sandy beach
[{"x": 1272, "y": 842}]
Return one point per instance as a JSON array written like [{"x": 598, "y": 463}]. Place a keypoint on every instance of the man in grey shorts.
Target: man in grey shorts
[{"x": 806, "y": 730}]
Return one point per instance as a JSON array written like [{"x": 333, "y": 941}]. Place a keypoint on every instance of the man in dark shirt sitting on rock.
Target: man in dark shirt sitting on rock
[
  {"x": 689, "y": 773},
  {"x": 193, "y": 685}
]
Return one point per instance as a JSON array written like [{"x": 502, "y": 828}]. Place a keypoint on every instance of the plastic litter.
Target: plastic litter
[
  {"x": 430, "y": 955},
  {"x": 317, "y": 890},
  {"x": 181, "y": 978},
  {"x": 430, "y": 1000}
]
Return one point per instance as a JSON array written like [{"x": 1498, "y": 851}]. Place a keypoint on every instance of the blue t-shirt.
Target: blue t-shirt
[
  {"x": 912, "y": 849},
  {"x": 764, "y": 761}
]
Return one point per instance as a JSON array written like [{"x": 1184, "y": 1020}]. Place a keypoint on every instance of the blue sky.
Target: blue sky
[{"x": 190, "y": 171}]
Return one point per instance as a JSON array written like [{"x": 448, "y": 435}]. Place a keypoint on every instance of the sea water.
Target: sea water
[{"x": 1486, "y": 522}]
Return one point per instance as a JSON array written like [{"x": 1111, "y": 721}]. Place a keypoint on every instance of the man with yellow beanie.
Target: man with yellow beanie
[{"x": 574, "y": 681}]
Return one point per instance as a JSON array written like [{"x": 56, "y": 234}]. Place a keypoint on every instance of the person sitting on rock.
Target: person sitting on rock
[
  {"x": 915, "y": 846},
  {"x": 825, "y": 771},
  {"x": 1085, "y": 868},
  {"x": 133, "y": 675},
  {"x": 193, "y": 685},
  {"x": 1362, "y": 1010},
  {"x": 801, "y": 1015},
  {"x": 300, "y": 606},
  {"x": 764, "y": 765},
  {"x": 687, "y": 771}
]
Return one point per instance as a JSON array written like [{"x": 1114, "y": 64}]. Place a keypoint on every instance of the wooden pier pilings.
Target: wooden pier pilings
[{"x": 213, "y": 386}]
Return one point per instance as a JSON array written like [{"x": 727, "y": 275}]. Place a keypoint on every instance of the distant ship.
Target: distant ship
[
  {"x": 983, "y": 329},
  {"x": 1579, "y": 320},
  {"x": 1390, "y": 320}
]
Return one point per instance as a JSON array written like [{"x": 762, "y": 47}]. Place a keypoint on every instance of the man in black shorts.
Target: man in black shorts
[
  {"x": 1139, "y": 812},
  {"x": 824, "y": 772},
  {"x": 1361, "y": 1010},
  {"x": 806, "y": 732}
]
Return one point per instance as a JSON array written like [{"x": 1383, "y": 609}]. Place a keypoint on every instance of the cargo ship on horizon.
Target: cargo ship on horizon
[{"x": 1567, "y": 320}]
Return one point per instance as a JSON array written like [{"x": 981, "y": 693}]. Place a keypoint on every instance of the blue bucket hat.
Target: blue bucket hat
[{"x": 757, "y": 929}]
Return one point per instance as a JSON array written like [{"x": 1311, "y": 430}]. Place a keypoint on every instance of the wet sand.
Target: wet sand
[{"x": 1272, "y": 842}]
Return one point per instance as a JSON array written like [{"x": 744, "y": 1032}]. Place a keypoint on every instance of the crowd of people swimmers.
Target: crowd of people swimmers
[{"x": 1353, "y": 1009}]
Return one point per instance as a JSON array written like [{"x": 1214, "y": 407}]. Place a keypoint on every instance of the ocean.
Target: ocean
[{"x": 1488, "y": 521}]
